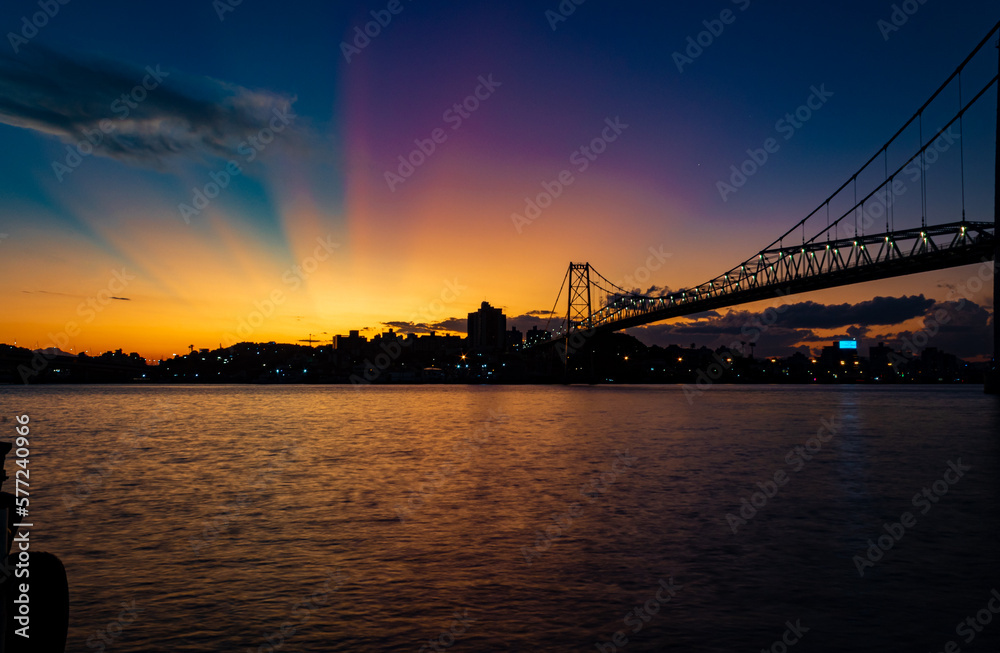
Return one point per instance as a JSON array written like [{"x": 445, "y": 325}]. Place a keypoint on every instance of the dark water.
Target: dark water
[{"x": 516, "y": 518}]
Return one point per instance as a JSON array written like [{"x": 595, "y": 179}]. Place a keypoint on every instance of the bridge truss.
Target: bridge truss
[{"x": 839, "y": 252}]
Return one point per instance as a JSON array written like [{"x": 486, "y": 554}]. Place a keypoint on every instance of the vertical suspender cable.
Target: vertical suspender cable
[
  {"x": 888, "y": 189},
  {"x": 855, "y": 206},
  {"x": 891, "y": 210},
  {"x": 828, "y": 221},
  {"x": 961, "y": 140},
  {"x": 923, "y": 177}
]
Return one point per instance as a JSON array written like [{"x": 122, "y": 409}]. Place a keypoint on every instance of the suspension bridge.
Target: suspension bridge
[{"x": 826, "y": 249}]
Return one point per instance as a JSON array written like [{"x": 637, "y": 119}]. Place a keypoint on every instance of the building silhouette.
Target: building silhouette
[
  {"x": 535, "y": 336},
  {"x": 352, "y": 344},
  {"x": 487, "y": 328},
  {"x": 515, "y": 339}
]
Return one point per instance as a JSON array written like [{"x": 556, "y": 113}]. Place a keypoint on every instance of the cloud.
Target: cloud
[
  {"x": 877, "y": 311},
  {"x": 723, "y": 331},
  {"x": 181, "y": 116},
  {"x": 538, "y": 318},
  {"x": 451, "y": 324},
  {"x": 961, "y": 328},
  {"x": 966, "y": 332},
  {"x": 458, "y": 324},
  {"x": 64, "y": 294},
  {"x": 522, "y": 322}
]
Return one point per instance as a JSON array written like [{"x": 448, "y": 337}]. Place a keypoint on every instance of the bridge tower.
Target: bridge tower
[
  {"x": 578, "y": 311},
  {"x": 579, "y": 317}
]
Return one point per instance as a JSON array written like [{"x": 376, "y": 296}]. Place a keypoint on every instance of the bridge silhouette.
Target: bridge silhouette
[{"x": 821, "y": 251}]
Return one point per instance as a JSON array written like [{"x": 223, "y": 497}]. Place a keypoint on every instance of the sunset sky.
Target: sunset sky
[{"x": 319, "y": 228}]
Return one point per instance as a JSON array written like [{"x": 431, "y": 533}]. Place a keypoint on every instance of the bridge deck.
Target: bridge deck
[{"x": 810, "y": 266}]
